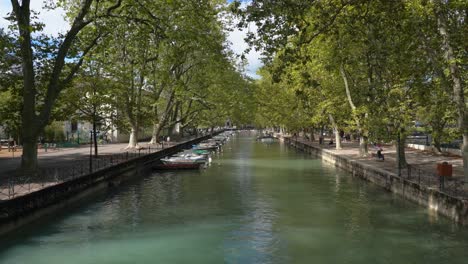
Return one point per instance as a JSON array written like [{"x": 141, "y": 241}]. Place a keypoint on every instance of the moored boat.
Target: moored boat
[
  {"x": 200, "y": 151},
  {"x": 184, "y": 159},
  {"x": 266, "y": 138},
  {"x": 206, "y": 146},
  {"x": 194, "y": 158},
  {"x": 177, "y": 166}
]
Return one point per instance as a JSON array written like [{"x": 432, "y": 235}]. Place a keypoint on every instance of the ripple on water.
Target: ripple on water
[{"x": 257, "y": 203}]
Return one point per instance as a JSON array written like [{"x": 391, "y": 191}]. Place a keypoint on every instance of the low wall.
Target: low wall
[
  {"x": 23, "y": 209},
  {"x": 431, "y": 148},
  {"x": 452, "y": 207}
]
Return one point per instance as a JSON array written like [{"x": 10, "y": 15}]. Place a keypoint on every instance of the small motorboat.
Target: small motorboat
[
  {"x": 194, "y": 157},
  {"x": 200, "y": 151},
  {"x": 196, "y": 154},
  {"x": 206, "y": 146},
  {"x": 183, "y": 161}
]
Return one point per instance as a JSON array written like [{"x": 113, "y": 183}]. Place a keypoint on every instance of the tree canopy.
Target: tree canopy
[
  {"x": 372, "y": 68},
  {"x": 129, "y": 64}
]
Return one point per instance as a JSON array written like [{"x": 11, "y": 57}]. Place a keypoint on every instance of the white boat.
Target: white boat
[
  {"x": 206, "y": 146},
  {"x": 185, "y": 158}
]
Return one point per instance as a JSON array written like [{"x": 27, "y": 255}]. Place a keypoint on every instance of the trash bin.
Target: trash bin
[{"x": 444, "y": 169}]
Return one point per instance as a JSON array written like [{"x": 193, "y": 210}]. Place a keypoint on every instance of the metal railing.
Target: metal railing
[
  {"x": 449, "y": 185},
  {"x": 17, "y": 185},
  {"x": 419, "y": 140},
  {"x": 13, "y": 185},
  {"x": 415, "y": 173}
]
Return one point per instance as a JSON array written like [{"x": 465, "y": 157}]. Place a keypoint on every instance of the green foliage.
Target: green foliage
[
  {"x": 54, "y": 132},
  {"x": 387, "y": 52},
  {"x": 10, "y": 90},
  {"x": 162, "y": 62}
]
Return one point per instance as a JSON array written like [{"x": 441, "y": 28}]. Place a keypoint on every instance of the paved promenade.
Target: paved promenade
[
  {"x": 75, "y": 160},
  {"x": 10, "y": 161},
  {"x": 422, "y": 160},
  {"x": 59, "y": 165},
  {"x": 425, "y": 161}
]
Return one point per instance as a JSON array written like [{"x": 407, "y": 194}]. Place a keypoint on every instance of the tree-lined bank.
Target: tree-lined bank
[
  {"x": 124, "y": 65},
  {"x": 372, "y": 69}
]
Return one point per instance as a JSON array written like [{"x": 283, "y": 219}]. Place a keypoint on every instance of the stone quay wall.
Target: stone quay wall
[
  {"x": 452, "y": 207},
  {"x": 24, "y": 209}
]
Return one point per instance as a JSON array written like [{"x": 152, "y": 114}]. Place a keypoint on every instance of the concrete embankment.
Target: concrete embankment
[
  {"x": 453, "y": 207},
  {"x": 24, "y": 209}
]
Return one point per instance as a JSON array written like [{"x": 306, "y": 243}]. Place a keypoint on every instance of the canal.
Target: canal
[{"x": 256, "y": 203}]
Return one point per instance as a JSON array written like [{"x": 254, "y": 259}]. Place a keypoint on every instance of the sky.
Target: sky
[{"x": 55, "y": 23}]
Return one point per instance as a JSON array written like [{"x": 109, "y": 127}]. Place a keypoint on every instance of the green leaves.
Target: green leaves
[{"x": 370, "y": 64}]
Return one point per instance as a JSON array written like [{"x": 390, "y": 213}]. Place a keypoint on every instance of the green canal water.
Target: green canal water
[{"x": 256, "y": 203}]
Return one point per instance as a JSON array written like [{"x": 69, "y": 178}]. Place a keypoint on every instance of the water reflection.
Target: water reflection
[
  {"x": 257, "y": 203},
  {"x": 253, "y": 240}
]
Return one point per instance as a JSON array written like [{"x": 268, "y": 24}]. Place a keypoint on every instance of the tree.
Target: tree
[
  {"x": 451, "y": 19},
  {"x": 10, "y": 91},
  {"x": 90, "y": 98},
  {"x": 384, "y": 52},
  {"x": 35, "y": 115}
]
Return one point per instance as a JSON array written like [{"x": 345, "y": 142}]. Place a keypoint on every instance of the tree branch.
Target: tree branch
[
  {"x": 53, "y": 87},
  {"x": 77, "y": 66}
]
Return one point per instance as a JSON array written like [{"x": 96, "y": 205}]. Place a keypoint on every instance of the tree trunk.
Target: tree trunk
[
  {"x": 348, "y": 92},
  {"x": 465, "y": 155},
  {"x": 158, "y": 131},
  {"x": 161, "y": 121},
  {"x": 174, "y": 125},
  {"x": 155, "y": 134},
  {"x": 312, "y": 135},
  {"x": 401, "y": 151},
  {"x": 337, "y": 138},
  {"x": 437, "y": 144},
  {"x": 176, "y": 131},
  {"x": 133, "y": 141},
  {"x": 29, "y": 124},
  {"x": 363, "y": 150},
  {"x": 336, "y": 131},
  {"x": 29, "y": 158},
  {"x": 33, "y": 123}
]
